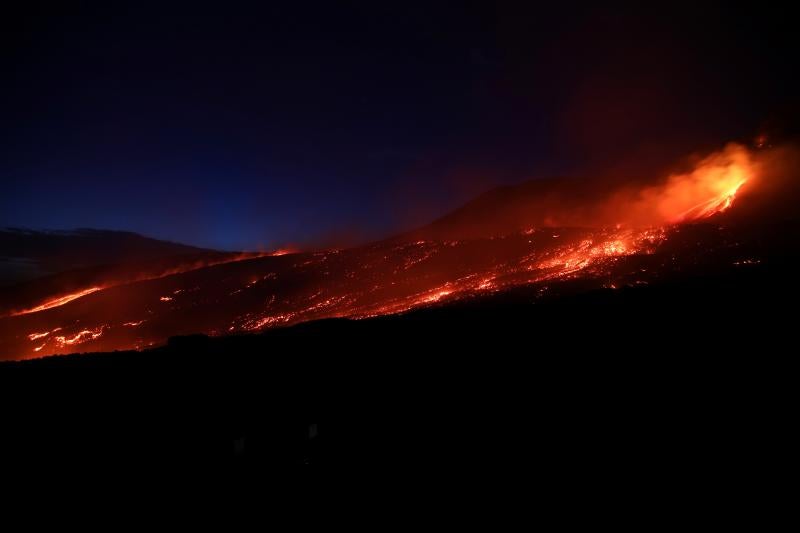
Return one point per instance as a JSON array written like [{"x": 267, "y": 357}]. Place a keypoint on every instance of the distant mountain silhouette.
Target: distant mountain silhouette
[{"x": 28, "y": 254}]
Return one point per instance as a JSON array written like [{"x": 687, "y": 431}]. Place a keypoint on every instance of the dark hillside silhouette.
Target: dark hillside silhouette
[{"x": 639, "y": 387}]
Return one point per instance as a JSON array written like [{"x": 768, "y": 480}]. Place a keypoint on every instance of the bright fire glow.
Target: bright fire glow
[
  {"x": 282, "y": 251},
  {"x": 710, "y": 188},
  {"x": 437, "y": 295},
  {"x": 80, "y": 337},
  {"x": 715, "y": 205}
]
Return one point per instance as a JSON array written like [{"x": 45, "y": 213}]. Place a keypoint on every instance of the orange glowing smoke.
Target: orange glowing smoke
[{"x": 710, "y": 188}]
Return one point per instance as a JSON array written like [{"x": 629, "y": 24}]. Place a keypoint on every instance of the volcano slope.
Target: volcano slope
[
  {"x": 540, "y": 234},
  {"x": 637, "y": 391},
  {"x": 569, "y": 356}
]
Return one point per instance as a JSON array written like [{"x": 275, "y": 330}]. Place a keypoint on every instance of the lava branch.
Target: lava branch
[
  {"x": 57, "y": 302},
  {"x": 67, "y": 298}
]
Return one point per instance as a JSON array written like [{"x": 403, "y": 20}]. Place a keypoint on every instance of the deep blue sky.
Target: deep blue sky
[{"x": 317, "y": 123}]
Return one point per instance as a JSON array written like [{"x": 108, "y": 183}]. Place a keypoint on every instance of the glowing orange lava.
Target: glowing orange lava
[
  {"x": 194, "y": 265},
  {"x": 711, "y": 207},
  {"x": 57, "y": 302},
  {"x": 282, "y": 251},
  {"x": 710, "y": 188},
  {"x": 80, "y": 337}
]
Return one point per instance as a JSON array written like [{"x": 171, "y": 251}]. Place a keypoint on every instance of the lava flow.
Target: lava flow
[
  {"x": 153, "y": 272},
  {"x": 61, "y": 300},
  {"x": 388, "y": 277},
  {"x": 708, "y": 189}
]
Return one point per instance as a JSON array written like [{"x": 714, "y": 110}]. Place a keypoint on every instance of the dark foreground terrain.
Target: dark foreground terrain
[{"x": 682, "y": 389}]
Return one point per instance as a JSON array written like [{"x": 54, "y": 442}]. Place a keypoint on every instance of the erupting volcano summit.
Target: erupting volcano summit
[{"x": 625, "y": 236}]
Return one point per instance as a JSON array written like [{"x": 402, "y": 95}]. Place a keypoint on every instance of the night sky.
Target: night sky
[{"x": 332, "y": 123}]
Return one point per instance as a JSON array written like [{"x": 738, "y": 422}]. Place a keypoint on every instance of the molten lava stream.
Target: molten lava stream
[
  {"x": 146, "y": 276},
  {"x": 57, "y": 302}
]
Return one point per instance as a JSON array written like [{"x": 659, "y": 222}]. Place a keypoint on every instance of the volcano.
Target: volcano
[
  {"x": 540, "y": 252},
  {"x": 503, "y": 337},
  {"x": 548, "y": 237}
]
